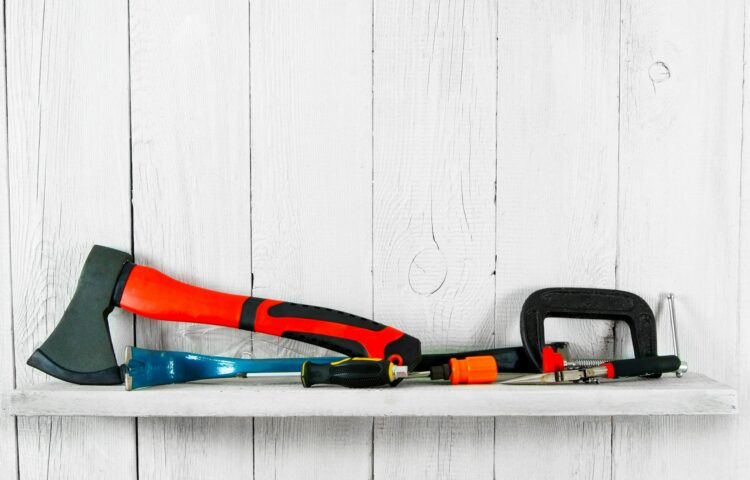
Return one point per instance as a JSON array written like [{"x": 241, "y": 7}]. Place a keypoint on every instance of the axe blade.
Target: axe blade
[{"x": 79, "y": 349}]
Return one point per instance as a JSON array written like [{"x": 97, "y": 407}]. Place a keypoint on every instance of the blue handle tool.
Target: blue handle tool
[{"x": 146, "y": 368}]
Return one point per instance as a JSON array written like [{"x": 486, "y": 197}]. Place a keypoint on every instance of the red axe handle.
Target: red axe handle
[{"x": 150, "y": 293}]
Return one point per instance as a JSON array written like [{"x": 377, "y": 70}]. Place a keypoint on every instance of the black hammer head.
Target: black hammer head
[{"x": 79, "y": 350}]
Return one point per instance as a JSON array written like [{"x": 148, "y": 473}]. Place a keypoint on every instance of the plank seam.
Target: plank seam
[
  {"x": 252, "y": 424},
  {"x": 494, "y": 202},
  {"x": 372, "y": 155},
  {"x": 7, "y": 192},
  {"x": 740, "y": 211},
  {"x": 740, "y": 257},
  {"x": 619, "y": 126},
  {"x": 740, "y": 260},
  {"x": 372, "y": 203},
  {"x": 250, "y": 182},
  {"x": 132, "y": 219},
  {"x": 10, "y": 246},
  {"x": 617, "y": 222},
  {"x": 250, "y": 194}
]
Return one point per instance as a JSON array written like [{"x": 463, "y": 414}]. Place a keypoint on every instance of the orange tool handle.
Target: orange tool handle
[
  {"x": 150, "y": 293},
  {"x": 473, "y": 370}
]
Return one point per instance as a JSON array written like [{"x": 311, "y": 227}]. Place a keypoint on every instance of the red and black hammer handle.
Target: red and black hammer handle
[{"x": 150, "y": 293}]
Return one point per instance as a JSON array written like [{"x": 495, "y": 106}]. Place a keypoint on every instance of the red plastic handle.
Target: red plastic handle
[{"x": 149, "y": 293}]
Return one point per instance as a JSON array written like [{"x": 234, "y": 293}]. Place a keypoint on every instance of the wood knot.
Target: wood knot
[
  {"x": 659, "y": 72},
  {"x": 427, "y": 271}
]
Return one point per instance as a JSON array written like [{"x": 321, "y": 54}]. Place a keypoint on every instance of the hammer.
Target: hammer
[{"x": 79, "y": 350}]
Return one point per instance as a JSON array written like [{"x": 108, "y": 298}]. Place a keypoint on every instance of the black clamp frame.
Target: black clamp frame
[{"x": 587, "y": 303}]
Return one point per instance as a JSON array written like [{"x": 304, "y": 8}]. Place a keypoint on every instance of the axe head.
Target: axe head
[{"x": 79, "y": 350}]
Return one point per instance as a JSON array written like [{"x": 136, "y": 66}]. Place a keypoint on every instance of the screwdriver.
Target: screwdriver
[{"x": 375, "y": 372}]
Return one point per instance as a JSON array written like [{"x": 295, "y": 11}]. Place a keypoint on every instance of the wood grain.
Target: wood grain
[
  {"x": 434, "y": 212},
  {"x": 215, "y": 449},
  {"x": 67, "y": 90},
  {"x": 433, "y": 447},
  {"x": 680, "y": 140},
  {"x": 694, "y": 394},
  {"x": 191, "y": 202},
  {"x": 573, "y": 449},
  {"x": 8, "y": 439},
  {"x": 556, "y": 198},
  {"x": 311, "y": 181},
  {"x": 314, "y": 448},
  {"x": 682, "y": 220}
]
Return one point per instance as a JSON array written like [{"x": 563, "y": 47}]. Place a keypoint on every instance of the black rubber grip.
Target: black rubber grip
[
  {"x": 637, "y": 367},
  {"x": 351, "y": 373},
  {"x": 289, "y": 309},
  {"x": 332, "y": 329}
]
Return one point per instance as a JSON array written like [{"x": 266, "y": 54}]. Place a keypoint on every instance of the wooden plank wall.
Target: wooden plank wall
[
  {"x": 742, "y": 443},
  {"x": 434, "y": 233},
  {"x": 556, "y": 201},
  {"x": 8, "y": 440},
  {"x": 191, "y": 202},
  {"x": 680, "y": 151},
  {"x": 312, "y": 205},
  {"x": 425, "y": 163},
  {"x": 68, "y": 166}
]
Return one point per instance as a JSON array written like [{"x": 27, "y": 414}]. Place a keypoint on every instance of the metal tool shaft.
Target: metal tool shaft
[{"x": 673, "y": 322}]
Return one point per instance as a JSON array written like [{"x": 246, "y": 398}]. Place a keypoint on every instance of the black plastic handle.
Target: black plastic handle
[
  {"x": 350, "y": 372},
  {"x": 587, "y": 303},
  {"x": 638, "y": 367}
]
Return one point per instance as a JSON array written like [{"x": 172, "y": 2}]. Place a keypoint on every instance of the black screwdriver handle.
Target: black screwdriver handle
[
  {"x": 349, "y": 372},
  {"x": 638, "y": 367}
]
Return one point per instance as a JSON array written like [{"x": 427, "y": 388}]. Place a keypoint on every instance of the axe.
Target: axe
[{"x": 79, "y": 350}]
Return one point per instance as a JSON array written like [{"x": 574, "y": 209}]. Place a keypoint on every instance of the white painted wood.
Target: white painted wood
[
  {"x": 225, "y": 448},
  {"x": 680, "y": 139},
  {"x": 311, "y": 74},
  {"x": 191, "y": 202},
  {"x": 556, "y": 200},
  {"x": 570, "y": 450},
  {"x": 742, "y": 444},
  {"x": 434, "y": 213},
  {"x": 433, "y": 447},
  {"x": 8, "y": 439},
  {"x": 313, "y": 447},
  {"x": 694, "y": 394},
  {"x": 67, "y": 89},
  {"x": 312, "y": 135},
  {"x": 557, "y": 159}
]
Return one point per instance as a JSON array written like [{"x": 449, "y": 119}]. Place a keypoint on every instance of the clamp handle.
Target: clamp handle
[
  {"x": 638, "y": 367},
  {"x": 587, "y": 303}
]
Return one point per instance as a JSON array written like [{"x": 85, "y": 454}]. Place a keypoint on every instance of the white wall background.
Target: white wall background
[{"x": 425, "y": 163}]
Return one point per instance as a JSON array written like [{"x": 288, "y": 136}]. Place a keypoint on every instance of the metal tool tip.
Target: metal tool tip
[
  {"x": 400, "y": 371},
  {"x": 533, "y": 379}
]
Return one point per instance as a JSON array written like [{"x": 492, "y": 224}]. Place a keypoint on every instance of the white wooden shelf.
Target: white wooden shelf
[{"x": 693, "y": 394}]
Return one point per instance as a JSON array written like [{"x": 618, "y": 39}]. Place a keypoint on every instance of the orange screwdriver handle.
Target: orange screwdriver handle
[{"x": 473, "y": 370}]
